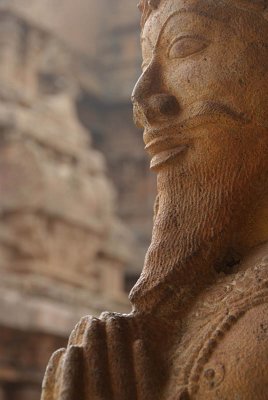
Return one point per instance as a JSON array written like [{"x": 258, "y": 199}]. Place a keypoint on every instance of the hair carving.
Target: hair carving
[{"x": 147, "y": 6}]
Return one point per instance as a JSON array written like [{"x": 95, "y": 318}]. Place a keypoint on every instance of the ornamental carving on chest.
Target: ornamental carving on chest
[{"x": 199, "y": 324}]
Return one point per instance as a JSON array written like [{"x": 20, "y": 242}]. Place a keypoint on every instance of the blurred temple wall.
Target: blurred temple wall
[
  {"x": 105, "y": 33},
  {"x": 76, "y": 193}
]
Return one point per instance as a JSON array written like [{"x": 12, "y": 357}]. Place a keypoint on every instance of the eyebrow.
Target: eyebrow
[{"x": 178, "y": 12}]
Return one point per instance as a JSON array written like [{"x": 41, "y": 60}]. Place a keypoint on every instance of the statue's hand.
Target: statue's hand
[
  {"x": 65, "y": 369},
  {"x": 96, "y": 364}
]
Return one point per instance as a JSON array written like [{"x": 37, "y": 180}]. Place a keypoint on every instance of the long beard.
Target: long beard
[{"x": 198, "y": 212}]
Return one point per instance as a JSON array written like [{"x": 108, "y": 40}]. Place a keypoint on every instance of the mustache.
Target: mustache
[
  {"x": 212, "y": 107},
  {"x": 198, "y": 113}
]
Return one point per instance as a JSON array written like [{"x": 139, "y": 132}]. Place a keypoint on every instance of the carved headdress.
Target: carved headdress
[{"x": 146, "y": 6}]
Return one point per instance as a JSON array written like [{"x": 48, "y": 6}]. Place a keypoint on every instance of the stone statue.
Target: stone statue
[{"x": 199, "y": 325}]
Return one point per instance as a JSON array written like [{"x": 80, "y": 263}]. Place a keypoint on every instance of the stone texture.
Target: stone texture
[
  {"x": 198, "y": 325},
  {"x": 63, "y": 250}
]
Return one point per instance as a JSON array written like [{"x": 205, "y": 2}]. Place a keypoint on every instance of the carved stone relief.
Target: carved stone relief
[{"x": 198, "y": 329}]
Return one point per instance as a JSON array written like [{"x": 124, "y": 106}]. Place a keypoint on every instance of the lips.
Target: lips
[
  {"x": 200, "y": 113},
  {"x": 166, "y": 156},
  {"x": 165, "y": 148}
]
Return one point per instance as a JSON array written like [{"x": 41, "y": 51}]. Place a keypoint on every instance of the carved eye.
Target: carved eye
[{"x": 186, "y": 46}]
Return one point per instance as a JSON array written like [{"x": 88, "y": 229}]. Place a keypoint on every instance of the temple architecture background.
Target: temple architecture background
[
  {"x": 104, "y": 35},
  {"x": 75, "y": 192}
]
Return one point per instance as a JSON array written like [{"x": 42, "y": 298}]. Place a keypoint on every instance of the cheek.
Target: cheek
[
  {"x": 186, "y": 79},
  {"x": 206, "y": 79},
  {"x": 215, "y": 146},
  {"x": 213, "y": 75},
  {"x": 242, "y": 149},
  {"x": 256, "y": 83}
]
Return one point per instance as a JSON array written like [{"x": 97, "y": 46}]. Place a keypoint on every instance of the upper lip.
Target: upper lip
[
  {"x": 163, "y": 143},
  {"x": 161, "y": 138}
]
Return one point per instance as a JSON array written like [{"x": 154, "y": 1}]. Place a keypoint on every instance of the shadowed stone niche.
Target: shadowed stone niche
[{"x": 199, "y": 324}]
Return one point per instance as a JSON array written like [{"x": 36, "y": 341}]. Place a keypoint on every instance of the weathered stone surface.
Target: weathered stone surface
[{"x": 198, "y": 326}]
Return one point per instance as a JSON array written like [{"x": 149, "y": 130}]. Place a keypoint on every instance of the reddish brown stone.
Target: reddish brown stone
[{"x": 198, "y": 326}]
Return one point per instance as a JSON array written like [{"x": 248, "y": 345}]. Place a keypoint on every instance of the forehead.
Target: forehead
[{"x": 211, "y": 9}]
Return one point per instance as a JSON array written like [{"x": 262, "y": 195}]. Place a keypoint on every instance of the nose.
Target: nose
[{"x": 151, "y": 103}]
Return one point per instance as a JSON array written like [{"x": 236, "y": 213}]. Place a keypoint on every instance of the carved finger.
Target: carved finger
[
  {"x": 77, "y": 335},
  {"x": 120, "y": 358},
  {"x": 72, "y": 384},
  {"x": 50, "y": 381},
  {"x": 145, "y": 371},
  {"x": 96, "y": 362}
]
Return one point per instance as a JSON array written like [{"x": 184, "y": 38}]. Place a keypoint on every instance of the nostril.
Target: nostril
[
  {"x": 169, "y": 105},
  {"x": 164, "y": 104},
  {"x": 153, "y": 108}
]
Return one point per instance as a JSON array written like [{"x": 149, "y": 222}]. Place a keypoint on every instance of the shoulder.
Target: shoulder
[
  {"x": 236, "y": 365},
  {"x": 237, "y": 368}
]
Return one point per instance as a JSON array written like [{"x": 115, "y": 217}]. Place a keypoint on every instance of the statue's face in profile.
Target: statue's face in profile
[{"x": 203, "y": 94}]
